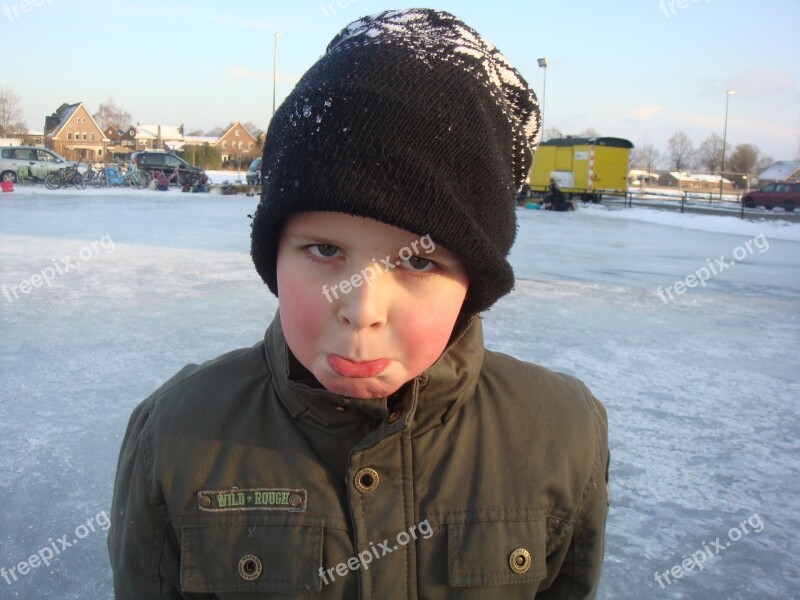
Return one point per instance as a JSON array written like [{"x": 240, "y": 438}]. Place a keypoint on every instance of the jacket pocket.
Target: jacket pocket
[
  {"x": 497, "y": 553},
  {"x": 281, "y": 559}
]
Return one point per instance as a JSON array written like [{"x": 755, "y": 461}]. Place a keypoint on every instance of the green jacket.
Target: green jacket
[{"x": 485, "y": 477}]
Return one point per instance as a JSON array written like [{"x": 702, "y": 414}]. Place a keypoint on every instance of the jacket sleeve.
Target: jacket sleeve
[
  {"x": 579, "y": 575},
  {"x": 144, "y": 553}
]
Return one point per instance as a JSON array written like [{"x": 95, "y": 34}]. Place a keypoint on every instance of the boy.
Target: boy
[{"x": 370, "y": 447}]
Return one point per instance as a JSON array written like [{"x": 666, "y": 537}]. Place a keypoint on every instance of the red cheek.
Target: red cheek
[{"x": 302, "y": 309}]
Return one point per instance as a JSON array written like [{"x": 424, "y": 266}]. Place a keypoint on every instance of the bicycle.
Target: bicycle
[
  {"x": 132, "y": 177},
  {"x": 183, "y": 178},
  {"x": 91, "y": 175},
  {"x": 64, "y": 177}
]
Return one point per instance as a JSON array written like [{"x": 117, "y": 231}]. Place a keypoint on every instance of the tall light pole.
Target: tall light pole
[
  {"x": 728, "y": 95},
  {"x": 275, "y": 70},
  {"x": 543, "y": 64}
]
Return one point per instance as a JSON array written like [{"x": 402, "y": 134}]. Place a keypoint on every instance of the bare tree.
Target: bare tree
[
  {"x": 254, "y": 129},
  {"x": 218, "y": 131},
  {"x": 743, "y": 160},
  {"x": 646, "y": 156},
  {"x": 552, "y": 133},
  {"x": 680, "y": 151},
  {"x": 589, "y": 132},
  {"x": 110, "y": 115},
  {"x": 709, "y": 155},
  {"x": 763, "y": 163},
  {"x": 11, "y": 120}
]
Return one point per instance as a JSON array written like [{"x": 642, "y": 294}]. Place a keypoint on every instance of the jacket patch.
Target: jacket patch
[{"x": 252, "y": 499}]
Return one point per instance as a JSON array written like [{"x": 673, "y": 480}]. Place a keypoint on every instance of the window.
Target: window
[
  {"x": 238, "y": 133},
  {"x": 224, "y": 144},
  {"x": 24, "y": 154},
  {"x": 69, "y": 136},
  {"x": 91, "y": 136},
  {"x": 251, "y": 145},
  {"x": 99, "y": 152}
]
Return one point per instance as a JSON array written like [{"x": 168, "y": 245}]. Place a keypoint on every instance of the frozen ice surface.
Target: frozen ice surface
[{"x": 702, "y": 391}]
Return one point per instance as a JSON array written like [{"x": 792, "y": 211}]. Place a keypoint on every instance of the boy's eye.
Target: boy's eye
[
  {"x": 323, "y": 250},
  {"x": 418, "y": 264}
]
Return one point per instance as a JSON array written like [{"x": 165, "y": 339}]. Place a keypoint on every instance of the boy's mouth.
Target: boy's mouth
[{"x": 350, "y": 368}]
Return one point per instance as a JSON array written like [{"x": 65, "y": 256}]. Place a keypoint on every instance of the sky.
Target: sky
[{"x": 640, "y": 70}]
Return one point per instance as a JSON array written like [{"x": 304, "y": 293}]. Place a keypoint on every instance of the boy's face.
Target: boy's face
[{"x": 357, "y": 312}]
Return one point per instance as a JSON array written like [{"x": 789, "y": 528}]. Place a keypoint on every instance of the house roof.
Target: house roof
[
  {"x": 232, "y": 127},
  {"x": 65, "y": 116},
  {"x": 697, "y": 177},
  {"x": 168, "y": 132},
  {"x": 781, "y": 170},
  {"x": 199, "y": 140}
]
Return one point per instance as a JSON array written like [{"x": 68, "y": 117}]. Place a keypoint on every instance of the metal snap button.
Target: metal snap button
[
  {"x": 205, "y": 501},
  {"x": 295, "y": 500},
  {"x": 367, "y": 480},
  {"x": 520, "y": 560},
  {"x": 250, "y": 567},
  {"x": 394, "y": 417}
]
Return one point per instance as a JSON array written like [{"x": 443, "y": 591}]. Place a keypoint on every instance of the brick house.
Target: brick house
[
  {"x": 238, "y": 144},
  {"x": 121, "y": 142},
  {"x": 74, "y": 134}
]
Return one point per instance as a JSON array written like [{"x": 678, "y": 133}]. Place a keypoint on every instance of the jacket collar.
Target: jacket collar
[{"x": 423, "y": 403}]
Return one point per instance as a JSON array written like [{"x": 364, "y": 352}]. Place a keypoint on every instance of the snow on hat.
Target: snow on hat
[{"x": 413, "y": 119}]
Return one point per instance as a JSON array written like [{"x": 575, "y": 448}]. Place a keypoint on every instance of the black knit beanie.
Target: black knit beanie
[{"x": 413, "y": 119}]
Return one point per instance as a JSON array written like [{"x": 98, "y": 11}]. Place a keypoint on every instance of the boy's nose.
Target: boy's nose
[{"x": 366, "y": 306}]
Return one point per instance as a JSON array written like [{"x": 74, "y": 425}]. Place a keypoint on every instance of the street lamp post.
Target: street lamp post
[
  {"x": 728, "y": 95},
  {"x": 275, "y": 70},
  {"x": 543, "y": 64}
]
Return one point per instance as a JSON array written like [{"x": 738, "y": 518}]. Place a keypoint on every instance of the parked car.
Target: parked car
[
  {"x": 254, "y": 172},
  {"x": 785, "y": 194},
  {"x": 35, "y": 161},
  {"x": 174, "y": 168}
]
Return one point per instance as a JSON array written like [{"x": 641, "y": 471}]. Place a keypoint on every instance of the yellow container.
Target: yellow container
[{"x": 584, "y": 167}]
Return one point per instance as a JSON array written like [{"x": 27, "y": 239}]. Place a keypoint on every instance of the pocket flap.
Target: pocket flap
[
  {"x": 489, "y": 553},
  {"x": 254, "y": 558}
]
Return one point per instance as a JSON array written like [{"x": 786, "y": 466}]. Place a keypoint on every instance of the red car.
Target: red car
[{"x": 785, "y": 194}]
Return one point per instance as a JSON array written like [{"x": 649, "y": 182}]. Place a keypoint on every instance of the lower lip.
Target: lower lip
[{"x": 348, "y": 368}]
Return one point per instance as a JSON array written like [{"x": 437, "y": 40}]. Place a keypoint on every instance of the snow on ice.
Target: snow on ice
[{"x": 701, "y": 390}]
